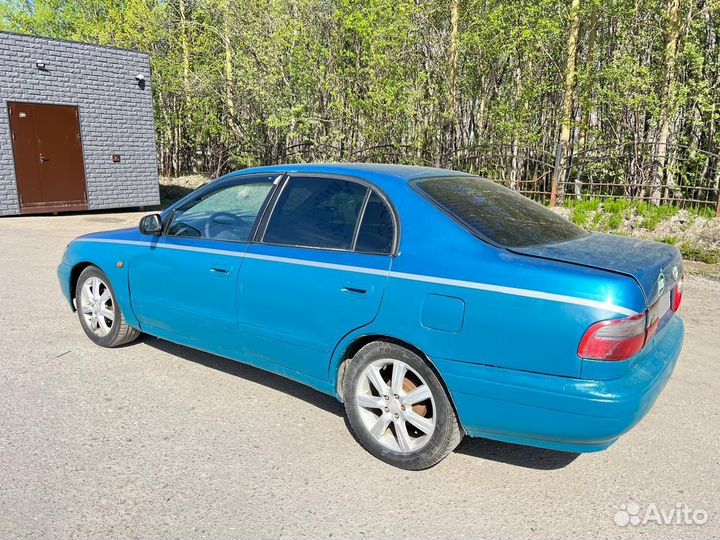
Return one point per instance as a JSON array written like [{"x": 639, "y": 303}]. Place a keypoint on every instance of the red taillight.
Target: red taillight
[
  {"x": 678, "y": 294},
  {"x": 614, "y": 340}
]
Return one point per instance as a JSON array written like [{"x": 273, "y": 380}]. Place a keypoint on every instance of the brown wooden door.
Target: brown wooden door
[{"x": 48, "y": 157}]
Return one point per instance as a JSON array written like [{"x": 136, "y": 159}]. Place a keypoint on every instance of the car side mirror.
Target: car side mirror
[{"x": 151, "y": 224}]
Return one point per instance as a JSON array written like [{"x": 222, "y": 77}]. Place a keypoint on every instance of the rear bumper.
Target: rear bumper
[{"x": 573, "y": 415}]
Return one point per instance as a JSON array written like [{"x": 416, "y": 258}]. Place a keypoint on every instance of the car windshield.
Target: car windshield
[{"x": 497, "y": 213}]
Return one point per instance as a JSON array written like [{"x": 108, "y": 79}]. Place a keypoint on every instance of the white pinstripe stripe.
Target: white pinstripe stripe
[{"x": 513, "y": 291}]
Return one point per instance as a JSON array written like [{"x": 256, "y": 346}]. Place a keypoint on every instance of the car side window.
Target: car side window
[
  {"x": 376, "y": 229},
  {"x": 226, "y": 214},
  {"x": 316, "y": 212}
]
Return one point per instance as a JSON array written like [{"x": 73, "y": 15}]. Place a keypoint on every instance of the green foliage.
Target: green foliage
[
  {"x": 614, "y": 221},
  {"x": 580, "y": 216},
  {"x": 246, "y": 82},
  {"x": 695, "y": 253},
  {"x": 616, "y": 207},
  {"x": 705, "y": 211},
  {"x": 611, "y": 215},
  {"x": 652, "y": 215},
  {"x": 615, "y": 215}
]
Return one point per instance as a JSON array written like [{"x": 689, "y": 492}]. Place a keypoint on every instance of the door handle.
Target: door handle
[
  {"x": 218, "y": 270},
  {"x": 353, "y": 290},
  {"x": 44, "y": 158}
]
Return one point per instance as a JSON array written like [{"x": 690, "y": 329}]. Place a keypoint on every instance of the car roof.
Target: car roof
[{"x": 369, "y": 171}]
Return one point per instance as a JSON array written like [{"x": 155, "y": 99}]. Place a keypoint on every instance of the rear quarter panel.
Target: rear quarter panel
[{"x": 516, "y": 331}]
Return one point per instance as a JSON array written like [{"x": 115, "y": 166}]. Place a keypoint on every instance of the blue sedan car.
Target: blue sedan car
[{"x": 434, "y": 304}]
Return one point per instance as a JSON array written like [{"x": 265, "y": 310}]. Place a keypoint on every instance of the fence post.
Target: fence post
[
  {"x": 556, "y": 175},
  {"x": 717, "y": 206}
]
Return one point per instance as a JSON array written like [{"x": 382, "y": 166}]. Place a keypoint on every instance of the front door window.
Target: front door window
[{"x": 226, "y": 214}]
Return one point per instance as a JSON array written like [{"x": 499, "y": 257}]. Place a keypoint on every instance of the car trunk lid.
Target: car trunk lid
[{"x": 654, "y": 266}]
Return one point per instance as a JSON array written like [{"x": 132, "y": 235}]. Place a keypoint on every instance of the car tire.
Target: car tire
[
  {"x": 100, "y": 315},
  {"x": 390, "y": 422}
]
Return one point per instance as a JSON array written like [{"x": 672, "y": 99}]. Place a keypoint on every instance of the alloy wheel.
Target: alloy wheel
[
  {"x": 396, "y": 405},
  {"x": 97, "y": 306}
]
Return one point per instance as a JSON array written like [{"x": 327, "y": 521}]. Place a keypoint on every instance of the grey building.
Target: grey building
[{"x": 76, "y": 127}]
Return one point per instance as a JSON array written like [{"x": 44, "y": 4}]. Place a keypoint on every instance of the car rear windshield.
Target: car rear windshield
[{"x": 497, "y": 213}]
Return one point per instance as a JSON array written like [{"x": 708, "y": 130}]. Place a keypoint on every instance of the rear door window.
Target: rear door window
[
  {"x": 376, "y": 229},
  {"x": 497, "y": 213},
  {"x": 316, "y": 212}
]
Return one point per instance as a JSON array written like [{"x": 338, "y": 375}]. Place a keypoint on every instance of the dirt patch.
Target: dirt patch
[{"x": 697, "y": 268}]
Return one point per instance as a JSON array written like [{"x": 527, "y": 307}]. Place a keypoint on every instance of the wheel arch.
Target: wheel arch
[
  {"x": 75, "y": 272},
  {"x": 359, "y": 342}
]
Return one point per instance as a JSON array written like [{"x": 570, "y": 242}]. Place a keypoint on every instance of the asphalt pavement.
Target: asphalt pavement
[{"x": 156, "y": 440}]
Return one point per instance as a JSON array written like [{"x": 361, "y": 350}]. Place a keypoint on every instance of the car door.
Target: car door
[
  {"x": 316, "y": 272},
  {"x": 184, "y": 284}
]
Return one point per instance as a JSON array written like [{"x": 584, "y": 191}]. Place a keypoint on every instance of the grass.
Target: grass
[
  {"x": 692, "y": 252},
  {"x": 610, "y": 216},
  {"x": 695, "y": 253},
  {"x": 706, "y": 212},
  {"x": 614, "y": 221},
  {"x": 580, "y": 217},
  {"x": 652, "y": 215}
]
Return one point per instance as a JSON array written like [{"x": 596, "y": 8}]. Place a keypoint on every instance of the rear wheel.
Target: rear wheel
[
  {"x": 100, "y": 315},
  {"x": 397, "y": 408}
]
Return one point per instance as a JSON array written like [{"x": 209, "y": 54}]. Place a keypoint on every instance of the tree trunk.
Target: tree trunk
[
  {"x": 565, "y": 143},
  {"x": 183, "y": 144},
  {"x": 515, "y": 167},
  {"x": 673, "y": 13},
  {"x": 453, "y": 61},
  {"x": 229, "y": 77},
  {"x": 585, "y": 99}
]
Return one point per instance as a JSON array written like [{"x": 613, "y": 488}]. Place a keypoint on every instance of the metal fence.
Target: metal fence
[{"x": 688, "y": 178}]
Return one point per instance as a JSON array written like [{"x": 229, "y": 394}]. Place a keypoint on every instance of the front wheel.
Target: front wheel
[
  {"x": 100, "y": 315},
  {"x": 398, "y": 409}
]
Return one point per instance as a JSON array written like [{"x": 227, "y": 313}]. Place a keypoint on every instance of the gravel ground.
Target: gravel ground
[{"x": 158, "y": 440}]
